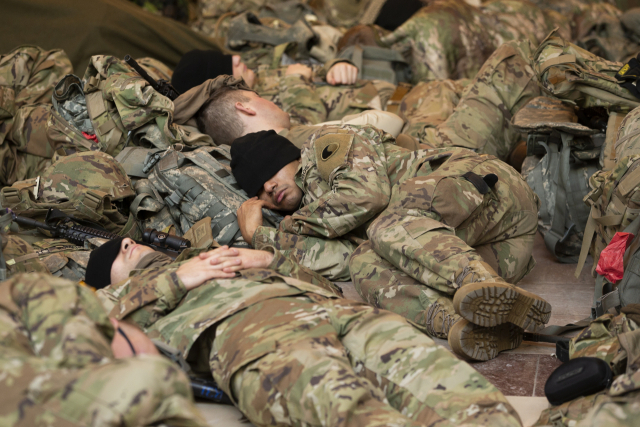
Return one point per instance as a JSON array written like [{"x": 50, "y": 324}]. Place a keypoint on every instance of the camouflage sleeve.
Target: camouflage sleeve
[
  {"x": 53, "y": 317},
  {"x": 360, "y": 189},
  {"x": 144, "y": 298},
  {"x": 328, "y": 257},
  {"x": 288, "y": 266},
  {"x": 299, "y": 98}
]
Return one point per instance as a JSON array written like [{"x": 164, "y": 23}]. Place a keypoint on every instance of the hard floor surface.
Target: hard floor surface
[{"x": 520, "y": 374}]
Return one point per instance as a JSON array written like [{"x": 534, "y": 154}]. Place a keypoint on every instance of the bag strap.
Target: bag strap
[
  {"x": 3, "y": 264},
  {"x": 557, "y": 233}
]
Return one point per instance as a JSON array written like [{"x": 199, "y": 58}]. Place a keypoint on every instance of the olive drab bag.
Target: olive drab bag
[
  {"x": 614, "y": 206},
  {"x": 178, "y": 187},
  {"x": 27, "y": 77},
  {"x": 570, "y": 153},
  {"x": 89, "y": 186},
  {"x": 112, "y": 106}
]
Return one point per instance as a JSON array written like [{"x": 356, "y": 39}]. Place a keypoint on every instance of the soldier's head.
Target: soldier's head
[
  {"x": 231, "y": 113},
  {"x": 129, "y": 340},
  {"x": 113, "y": 261},
  {"x": 265, "y": 165}
]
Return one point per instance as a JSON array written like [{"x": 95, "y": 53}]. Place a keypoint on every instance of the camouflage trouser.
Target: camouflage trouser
[
  {"x": 319, "y": 361},
  {"x": 141, "y": 391},
  {"x": 481, "y": 121},
  {"x": 477, "y": 237}
]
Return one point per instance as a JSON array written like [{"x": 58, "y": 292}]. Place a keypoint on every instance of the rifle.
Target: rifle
[
  {"x": 64, "y": 227},
  {"x": 163, "y": 87},
  {"x": 203, "y": 388}
]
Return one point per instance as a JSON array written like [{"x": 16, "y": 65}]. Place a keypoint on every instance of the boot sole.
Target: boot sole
[
  {"x": 491, "y": 304},
  {"x": 475, "y": 342}
]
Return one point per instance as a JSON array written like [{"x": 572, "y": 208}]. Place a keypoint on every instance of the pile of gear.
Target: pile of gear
[{"x": 402, "y": 121}]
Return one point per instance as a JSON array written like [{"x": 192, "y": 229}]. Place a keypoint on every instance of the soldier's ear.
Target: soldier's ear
[{"x": 240, "y": 107}]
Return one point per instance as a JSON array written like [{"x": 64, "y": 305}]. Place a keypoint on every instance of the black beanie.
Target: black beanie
[
  {"x": 257, "y": 157},
  {"x": 395, "y": 13},
  {"x": 100, "y": 261},
  {"x": 198, "y": 66}
]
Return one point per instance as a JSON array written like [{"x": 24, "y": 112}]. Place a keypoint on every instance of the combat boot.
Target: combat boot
[
  {"x": 474, "y": 342},
  {"x": 493, "y": 303},
  {"x": 467, "y": 340}
]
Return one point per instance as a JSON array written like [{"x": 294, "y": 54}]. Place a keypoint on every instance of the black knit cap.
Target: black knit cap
[
  {"x": 100, "y": 261},
  {"x": 395, "y": 13},
  {"x": 258, "y": 156},
  {"x": 198, "y": 66}
]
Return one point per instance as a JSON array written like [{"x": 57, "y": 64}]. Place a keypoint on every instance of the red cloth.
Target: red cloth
[
  {"x": 90, "y": 137},
  {"x": 611, "y": 262}
]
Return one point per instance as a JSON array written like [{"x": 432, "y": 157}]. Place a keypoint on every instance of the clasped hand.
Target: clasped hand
[{"x": 221, "y": 263}]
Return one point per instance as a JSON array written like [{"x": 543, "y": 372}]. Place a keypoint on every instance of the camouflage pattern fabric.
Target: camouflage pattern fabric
[
  {"x": 435, "y": 220},
  {"x": 423, "y": 219},
  {"x": 58, "y": 368},
  {"x": 445, "y": 41},
  {"x": 27, "y": 77},
  {"x": 89, "y": 186},
  {"x": 295, "y": 382},
  {"x": 627, "y": 141},
  {"x": 328, "y": 344},
  {"x": 507, "y": 20},
  {"x": 20, "y": 256},
  {"x": 118, "y": 100},
  {"x": 429, "y": 104},
  {"x": 481, "y": 121},
  {"x": 613, "y": 339},
  {"x": 313, "y": 102}
]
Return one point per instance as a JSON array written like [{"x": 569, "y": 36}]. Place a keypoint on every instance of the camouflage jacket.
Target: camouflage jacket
[
  {"x": 157, "y": 300},
  {"x": 57, "y": 367},
  {"x": 347, "y": 175}
]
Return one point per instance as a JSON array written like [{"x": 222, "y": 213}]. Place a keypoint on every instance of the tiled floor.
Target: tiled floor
[{"x": 520, "y": 374}]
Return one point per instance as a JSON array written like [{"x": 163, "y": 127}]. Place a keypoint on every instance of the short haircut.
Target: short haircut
[{"x": 219, "y": 118}]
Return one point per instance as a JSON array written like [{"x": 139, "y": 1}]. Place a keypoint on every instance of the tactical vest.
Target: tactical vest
[{"x": 176, "y": 189}]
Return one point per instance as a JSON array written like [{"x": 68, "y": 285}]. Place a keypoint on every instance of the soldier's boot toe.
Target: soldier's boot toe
[
  {"x": 491, "y": 303},
  {"x": 474, "y": 342}
]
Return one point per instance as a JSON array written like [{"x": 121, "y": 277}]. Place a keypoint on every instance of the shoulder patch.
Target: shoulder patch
[{"x": 332, "y": 151}]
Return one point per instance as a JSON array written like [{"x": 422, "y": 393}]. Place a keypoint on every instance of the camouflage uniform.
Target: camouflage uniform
[
  {"x": 27, "y": 77},
  {"x": 452, "y": 39},
  {"x": 285, "y": 368},
  {"x": 482, "y": 119},
  {"x": 57, "y": 367},
  {"x": 375, "y": 190}
]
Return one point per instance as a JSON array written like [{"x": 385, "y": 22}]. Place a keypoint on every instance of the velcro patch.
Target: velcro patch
[{"x": 332, "y": 151}]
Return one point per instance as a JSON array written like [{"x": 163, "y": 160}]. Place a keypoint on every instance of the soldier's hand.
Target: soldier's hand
[
  {"x": 250, "y": 258},
  {"x": 301, "y": 69},
  {"x": 209, "y": 265},
  {"x": 342, "y": 74},
  {"x": 240, "y": 70},
  {"x": 250, "y": 218}
]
